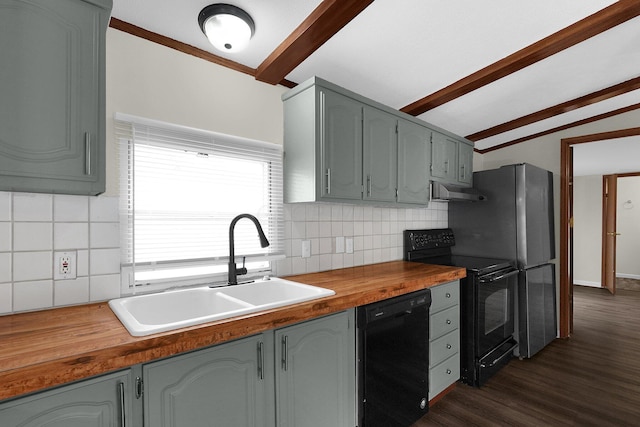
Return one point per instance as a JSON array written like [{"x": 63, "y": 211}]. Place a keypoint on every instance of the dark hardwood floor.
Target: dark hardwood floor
[{"x": 591, "y": 379}]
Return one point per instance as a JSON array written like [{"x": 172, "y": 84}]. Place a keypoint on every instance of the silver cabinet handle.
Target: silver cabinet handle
[
  {"x": 448, "y": 321},
  {"x": 261, "y": 360},
  {"x": 369, "y": 185},
  {"x": 446, "y": 166},
  {"x": 87, "y": 153},
  {"x": 448, "y": 371},
  {"x": 448, "y": 346},
  {"x": 462, "y": 172},
  {"x": 328, "y": 180},
  {"x": 285, "y": 345},
  {"x": 123, "y": 414},
  {"x": 448, "y": 295}
]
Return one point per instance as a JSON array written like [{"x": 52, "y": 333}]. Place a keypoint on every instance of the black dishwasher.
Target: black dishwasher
[{"x": 393, "y": 360}]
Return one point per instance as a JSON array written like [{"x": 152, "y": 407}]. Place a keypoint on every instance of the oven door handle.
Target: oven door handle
[
  {"x": 505, "y": 354},
  {"x": 489, "y": 279}
]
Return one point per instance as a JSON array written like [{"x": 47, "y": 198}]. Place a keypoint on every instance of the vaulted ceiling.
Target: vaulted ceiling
[{"x": 497, "y": 72}]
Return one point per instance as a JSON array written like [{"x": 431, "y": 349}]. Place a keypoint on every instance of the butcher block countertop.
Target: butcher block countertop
[{"x": 52, "y": 347}]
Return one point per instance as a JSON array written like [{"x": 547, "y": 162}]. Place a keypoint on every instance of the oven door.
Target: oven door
[{"x": 495, "y": 309}]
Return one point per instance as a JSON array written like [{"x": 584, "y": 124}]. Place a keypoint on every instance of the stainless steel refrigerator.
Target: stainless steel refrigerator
[{"x": 515, "y": 222}]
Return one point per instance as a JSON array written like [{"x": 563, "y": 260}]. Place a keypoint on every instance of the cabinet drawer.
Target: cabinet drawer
[
  {"x": 444, "y": 347},
  {"x": 443, "y": 296},
  {"x": 444, "y": 322},
  {"x": 443, "y": 375}
]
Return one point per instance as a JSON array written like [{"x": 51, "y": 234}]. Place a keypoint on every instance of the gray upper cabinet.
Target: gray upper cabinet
[
  {"x": 444, "y": 152},
  {"x": 451, "y": 160},
  {"x": 106, "y": 401},
  {"x": 380, "y": 155},
  {"x": 465, "y": 163},
  {"x": 52, "y": 95},
  {"x": 414, "y": 158},
  {"x": 340, "y": 146}
]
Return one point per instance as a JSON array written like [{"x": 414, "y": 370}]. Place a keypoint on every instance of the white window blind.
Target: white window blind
[{"x": 180, "y": 189}]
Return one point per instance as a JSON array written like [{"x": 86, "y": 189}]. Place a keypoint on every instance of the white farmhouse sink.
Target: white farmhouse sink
[{"x": 149, "y": 314}]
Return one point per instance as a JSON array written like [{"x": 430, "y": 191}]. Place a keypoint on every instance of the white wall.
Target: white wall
[
  {"x": 628, "y": 225},
  {"x": 587, "y": 230}
]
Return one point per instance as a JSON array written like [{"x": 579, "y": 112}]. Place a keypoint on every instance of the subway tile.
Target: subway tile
[
  {"x": 104, "y": 261},
  {"x": 33, "y": 295},
  {"x": 105, "y": 235},
  {"x": 32, "y": 207},
  {"x": 32, "y": 236},
  {"x": 5, "y": 236},
  {"x": 104, "y": 209},
  {"x": 312, "y": 212},
  {"x": 312, "y": 229},
  {"x": 324, "y": 212},
  {"x": 5, "y": 206},
  {"x": 6, "y": 298},
  {"x": 103, "y": 288},
  {"x": 70, "y": 235},
  {"x": 29, "y": 266},
  {"x": 82, "y": 263},
  {"x": 5, "y": 267},
  {"x": 70, "y": 208},
  {"x": 68, "y": 292}
]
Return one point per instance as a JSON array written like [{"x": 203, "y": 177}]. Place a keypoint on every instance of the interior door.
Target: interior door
[{"x": 609, "y": 234}]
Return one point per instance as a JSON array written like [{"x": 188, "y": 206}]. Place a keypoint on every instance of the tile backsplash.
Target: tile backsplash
[
  {"x": 33, "y": 227},
  {"x": 375, "y": 232}
]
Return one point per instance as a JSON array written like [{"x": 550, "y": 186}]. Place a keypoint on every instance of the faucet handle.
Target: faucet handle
[{"x": 242, "y": 270}]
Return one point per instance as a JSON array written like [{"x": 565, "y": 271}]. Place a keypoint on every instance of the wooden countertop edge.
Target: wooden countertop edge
[{"x": 100, "y": 352}]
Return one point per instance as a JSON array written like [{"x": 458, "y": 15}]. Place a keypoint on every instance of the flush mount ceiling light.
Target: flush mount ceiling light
[{"x": 227, "y": 27}]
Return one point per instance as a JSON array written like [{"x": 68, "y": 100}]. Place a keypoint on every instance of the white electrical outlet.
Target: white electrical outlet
[
  {"x": 306, "y": 248},
  {"x": 340, "y": 245},
  {"x": 348, "y": 243},
  {"x": 64, "y": 266}
]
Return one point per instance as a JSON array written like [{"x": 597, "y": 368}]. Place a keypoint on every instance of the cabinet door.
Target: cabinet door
[
  {"x": 414, "y": 158},
  {"x": 380, "y": 155},
  {"x": 315, "y": 373},
  {"x": 341, "y": 146},
  {"x": 105, "y": 401},
  {"x": 226, "y": 385},
  {"x": 465, "y": 163},
  {"x": 52, "y": 96},
  {"x": 444, "y": 156}
]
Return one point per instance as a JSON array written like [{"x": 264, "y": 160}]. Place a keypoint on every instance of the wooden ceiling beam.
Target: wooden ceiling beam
[
  {"x": 565, "y": 107},
  {"x": 561, "y": 128},
  {"x": 603, "y": 20},
  {"x": 322, "y": 24}
]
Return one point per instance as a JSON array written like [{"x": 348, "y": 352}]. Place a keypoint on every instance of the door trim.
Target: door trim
[{"x": 566, "y": 176}]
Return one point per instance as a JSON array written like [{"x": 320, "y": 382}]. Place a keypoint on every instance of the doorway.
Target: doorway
[{"x": 566, "y": 220}]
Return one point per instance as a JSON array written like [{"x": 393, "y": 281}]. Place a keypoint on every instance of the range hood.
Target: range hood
[{"x": 454, "y": 193}]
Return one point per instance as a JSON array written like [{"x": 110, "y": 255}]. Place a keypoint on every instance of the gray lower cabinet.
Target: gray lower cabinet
[
  {"x": 307, "y": 378},
  {"x": 315, "y": 373},
  {"x": 105, "y": 401},
  {"x": 444, "y": 337},
  {"x": 52, "y": 103},
  {"x": 227, "y": 385}
]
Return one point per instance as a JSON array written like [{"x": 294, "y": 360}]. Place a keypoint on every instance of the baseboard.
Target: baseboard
[
  {"x": 587, "y": 283},
  {"x": 628, "y": 276}
]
